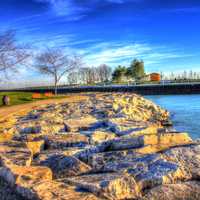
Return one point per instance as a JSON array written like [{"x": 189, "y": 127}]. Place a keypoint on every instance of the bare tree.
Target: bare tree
[
  {"x": 74, "y": 78},
  {"x": 12, "y": 55},
  {"x": 56, "y": 63},
  {"x": 104, "y": 72}
]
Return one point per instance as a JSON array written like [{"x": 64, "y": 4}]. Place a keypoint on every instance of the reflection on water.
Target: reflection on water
[{"x": 184, "y": 109}]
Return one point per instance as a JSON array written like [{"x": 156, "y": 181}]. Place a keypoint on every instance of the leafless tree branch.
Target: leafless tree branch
[
  {"x": 12, "y": 55},
  {"x": 56, "y": 63}
]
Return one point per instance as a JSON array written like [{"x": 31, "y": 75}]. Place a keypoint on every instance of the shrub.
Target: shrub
[
  {"x": 48, "y": 94},
  {"x": 36, "y": 96}
]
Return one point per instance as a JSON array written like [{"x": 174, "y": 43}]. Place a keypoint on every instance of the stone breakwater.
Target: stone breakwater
[{"x": 103, "y": 146}]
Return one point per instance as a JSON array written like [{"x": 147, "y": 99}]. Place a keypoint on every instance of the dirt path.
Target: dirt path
[{"x": 6, "y": 112}]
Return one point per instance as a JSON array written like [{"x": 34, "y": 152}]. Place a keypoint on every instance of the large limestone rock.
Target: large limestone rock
[
  {"x": 6, "y": 135},
  {"x": 139, "y": 109},
  {"x": 65, "y": 166},
  {"x": 179, "y": 191},
  {"x": 16, "y": 155},
  {"x": 164, "y": 140},
  {"x": 148, "y": 171},
  {"x": 23, "y": 176},
  {"x": 188, "y": 158},
  {"x": 29, "y": 129},
  {"x": 35, "y": 146},
  {"x": 100, "y": 136},
  {"x": 110, "y": 185},
  {"x": 124, "y": 126},
  {"x": 7, "y": 192},
  {"x": 83, "y": 123},
  {"x": 44, "y": 155},
  {"x": 63, "y": 141},
  {"x": 52, "y": 190},
  {"x": 43, "y": 128},
  {"x": 99, "y": 160}
]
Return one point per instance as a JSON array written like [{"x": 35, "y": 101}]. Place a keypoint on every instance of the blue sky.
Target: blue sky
[{"x": 166, "y": 34}]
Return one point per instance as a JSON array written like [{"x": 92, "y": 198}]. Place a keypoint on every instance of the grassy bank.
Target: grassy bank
[{"x": 22, "y": 97}]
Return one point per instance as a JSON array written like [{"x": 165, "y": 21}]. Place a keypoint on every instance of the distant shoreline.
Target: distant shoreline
[{"x": 153, "y": 89}]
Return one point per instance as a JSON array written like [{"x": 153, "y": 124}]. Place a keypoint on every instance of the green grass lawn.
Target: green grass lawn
[{"x": 21, "y": 97}]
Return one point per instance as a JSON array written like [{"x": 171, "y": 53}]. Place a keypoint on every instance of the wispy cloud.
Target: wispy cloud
[
  {"x": 116, "y": 53},
  {"x": 76, "y": 10},
  {"x": 183, "y": 10}
]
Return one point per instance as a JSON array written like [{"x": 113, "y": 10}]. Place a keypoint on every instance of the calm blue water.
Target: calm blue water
[{"x": 184, "y": 109}]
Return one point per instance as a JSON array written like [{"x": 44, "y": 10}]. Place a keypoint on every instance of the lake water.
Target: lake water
[{"x": 184, "y": 109}]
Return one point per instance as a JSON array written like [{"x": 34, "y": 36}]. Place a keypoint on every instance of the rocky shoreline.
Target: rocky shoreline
[{"x": 104, "y": 146}]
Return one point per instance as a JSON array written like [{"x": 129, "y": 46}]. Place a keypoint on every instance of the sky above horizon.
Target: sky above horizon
[{"x": 165, "y": 34}]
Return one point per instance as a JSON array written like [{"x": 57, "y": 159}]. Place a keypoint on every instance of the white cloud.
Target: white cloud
[
  {"x": 116, "y": 53},
  {"x": 76, "y": 10}
]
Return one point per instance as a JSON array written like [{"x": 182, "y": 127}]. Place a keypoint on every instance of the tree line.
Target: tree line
[
  {"x": 135, "y": 72},
  {"x": 181, "y": 76},
  {"x": 90, "y": 75}
]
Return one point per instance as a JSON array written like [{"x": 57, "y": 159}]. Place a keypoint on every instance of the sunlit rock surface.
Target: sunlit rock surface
[{"x": 106, "y": 146}]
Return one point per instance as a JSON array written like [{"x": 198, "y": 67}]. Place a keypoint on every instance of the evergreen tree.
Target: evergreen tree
[
  {"x": 119, "y": 73},
  {"x": 136, "y": 70}
]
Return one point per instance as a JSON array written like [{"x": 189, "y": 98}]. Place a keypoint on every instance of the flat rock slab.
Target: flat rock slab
[
  {"x": 110, "y": 185},
  {"x": 179, "y": 191},
  {"x": 35, "y": 146},
  {"x": 188, "y": 158},
  {"x": 63, "y": 141},
  {"x": 44, "y": 155},
  {"x": 43, "y": 128},
  {"x": 16, "y": 155},
  {"x": 166, "y": 139},
  {"x": 99, "y": 160},
  {"x": 157, "y": 173},
  {"x": 24, "y": 177},
  {"x": 7, "y": 192},
  {"x": 65, "y": 166},
  {"x": 78, "y": 124},
  {"x": 148, "y": 171},
  {"x": 52, "y": 190},
  {"x": 100, "y": 136}
]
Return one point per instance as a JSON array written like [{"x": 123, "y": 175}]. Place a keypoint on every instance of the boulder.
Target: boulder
[
  {"x": 40, "y": 127},
  {"x": 52, "y": 190},
  {"x": 29, "y": 129},
  {"x": 63, "y": 141},
  {"x": 156, "y": 173},
  {"x": 148, "y": 171},
  {"x": 98, "y": 160},
  {"x": 65, "y": 166},
  {"x": 160, "y": 139},
  {"x": 35, "y": 146},
  {"x": 6, "y": 134},
  {"x": 178, "y": 191},
  {"x": 110, "y": 185},
  {"x": 78, "y": 124},
  {"x": 16, "y": 155},
  {"x": 22, "y": 176},
  {"x": 123, "y": 126},
  {"x": 139, "y": 109},
  {"x": 146, "y": 130},
  {"x": 188, "y": 158},
  {"x": 44, "y": 155},
  {"x": 7, "y": 192},
  {"x": 101, "y": 136},
  {"x": 52, "y": 128}
]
